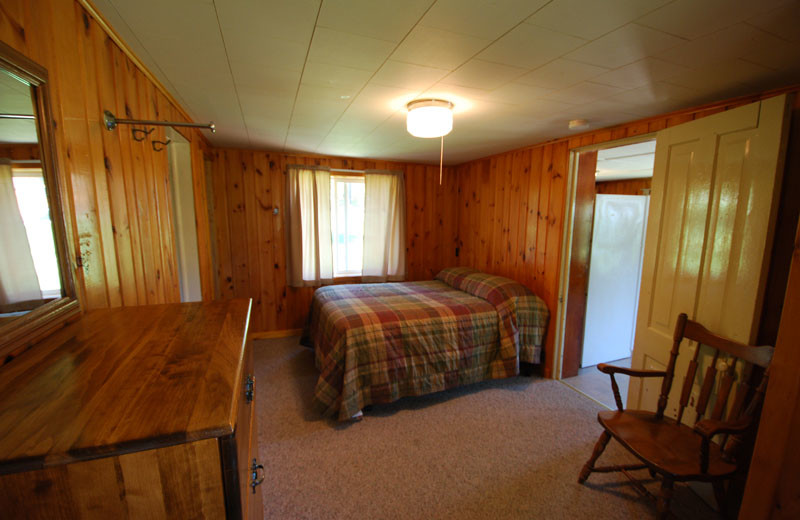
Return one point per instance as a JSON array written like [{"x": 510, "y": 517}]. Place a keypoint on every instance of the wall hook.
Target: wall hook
[
  {"x": 136, "y": 131},
  {"x": 156, "y": 144}
]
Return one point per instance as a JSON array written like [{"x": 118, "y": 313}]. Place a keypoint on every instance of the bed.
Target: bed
[{"x": 376, "y": 343}]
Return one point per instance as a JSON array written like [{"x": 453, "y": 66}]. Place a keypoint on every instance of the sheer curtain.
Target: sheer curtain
[
  {"x": 384, "y": 226},
  {"x": 18, "y": 279},
  {"x": 310, "y": 250}
]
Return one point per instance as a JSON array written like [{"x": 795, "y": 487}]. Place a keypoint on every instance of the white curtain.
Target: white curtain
[
  {"x": 310, "y": 249},
  {"x": 384, "y": 227},
  {"x": 18, "y": 279}
]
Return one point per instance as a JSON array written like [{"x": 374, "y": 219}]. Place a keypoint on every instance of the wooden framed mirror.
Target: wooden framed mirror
[{"x": 37, "y": 291}]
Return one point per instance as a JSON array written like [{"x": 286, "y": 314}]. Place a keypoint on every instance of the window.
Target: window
[
  {"x": 347, "y": 224},
  {"x": 327, "y": 233}
]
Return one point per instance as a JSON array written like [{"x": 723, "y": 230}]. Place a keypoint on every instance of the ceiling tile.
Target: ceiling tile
[
  {"x": 516, "y": 93},
  {"x": 380, "y": 19},
  {"x": 438, "y": 48},
  {"x": 657, "y": 96},
  {"x": 692, "y": 19},
  {"x": 487, "y": 20},
  {"x": 483, "y": 75},
  {"x": 727, "y": 44},
  {"x": 722, "y": 79},
  {"x": 245, "y": 23},
  {"x": 323, "y": 99},
  {"x": 345, "y": 79},
  {"x": 269, "y": 79},
  {"x": 591, "y": 19},
  {"x": 781, "y": 21},
  {"x": 407, "y": 75},
  {"x": 585, "y": 92},
  {"x": 530, "y": 46},
  {"x": 561, "y": 73},
  {"x": 623, "y": 46},
  {"x": 640, "y": 73},
  {"x": 350, "y": 50},
  {"x": 773, "y": 52}
]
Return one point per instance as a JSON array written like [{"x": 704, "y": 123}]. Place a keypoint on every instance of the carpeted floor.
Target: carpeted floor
[{"x": 502, "y": 449}]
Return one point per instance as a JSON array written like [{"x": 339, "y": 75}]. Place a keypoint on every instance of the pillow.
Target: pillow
[{"x": 495, "y": 289}]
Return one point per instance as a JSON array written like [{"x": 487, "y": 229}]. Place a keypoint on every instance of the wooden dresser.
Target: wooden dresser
[{"x": 135, "y": 412}]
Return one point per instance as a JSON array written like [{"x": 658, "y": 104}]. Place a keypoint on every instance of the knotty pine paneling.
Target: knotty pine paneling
[
  {"x": 511, "y": 205},
  {"x": 117, "y": 188},
  {"x": 625, "y": 187},
  {"x": 250, "y": 240}
]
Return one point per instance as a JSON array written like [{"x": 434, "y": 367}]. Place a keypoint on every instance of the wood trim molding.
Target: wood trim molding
[
  {"x": 271, "y": 334},
  {"x": 94, "y": 13}
]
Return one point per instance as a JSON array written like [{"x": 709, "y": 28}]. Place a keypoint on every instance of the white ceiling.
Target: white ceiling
[
  {"x": 632, "y": 161},
  {"x": 333, "y": 76},
  {"x": 15, "y": 98}
]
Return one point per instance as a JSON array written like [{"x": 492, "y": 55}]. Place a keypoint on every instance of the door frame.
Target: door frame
[{"x": 566, "y": 241}]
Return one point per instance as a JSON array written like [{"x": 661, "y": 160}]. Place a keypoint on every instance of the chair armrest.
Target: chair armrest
[
  {"x": 707, "y": 428},
  {"x": 611, "y": 369}
]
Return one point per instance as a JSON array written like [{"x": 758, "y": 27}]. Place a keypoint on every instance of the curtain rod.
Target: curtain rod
[
  {"x": 111, "y": 122},
  {"x": 17, "y": 116},
  {"x": 345, "y": 170}
]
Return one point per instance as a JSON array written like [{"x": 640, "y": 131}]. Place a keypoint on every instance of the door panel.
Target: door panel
[{"x": 713, "y": 205}]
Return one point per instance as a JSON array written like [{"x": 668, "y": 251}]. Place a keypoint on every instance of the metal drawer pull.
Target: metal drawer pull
[
  {"x": 249, "y": 385},
  {"x": 254, "y": 480}
]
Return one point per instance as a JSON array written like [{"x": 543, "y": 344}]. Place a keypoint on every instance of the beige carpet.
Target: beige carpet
[{"x": 502, "y": 449}]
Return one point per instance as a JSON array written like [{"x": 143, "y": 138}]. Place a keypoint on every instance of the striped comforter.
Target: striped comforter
[{"x": 375, "y": 343}]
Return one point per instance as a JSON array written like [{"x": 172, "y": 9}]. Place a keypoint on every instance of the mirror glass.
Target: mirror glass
[{"x": 29, "y": 267}]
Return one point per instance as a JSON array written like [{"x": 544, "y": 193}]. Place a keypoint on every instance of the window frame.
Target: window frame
[{"x": 348, "y": 178}]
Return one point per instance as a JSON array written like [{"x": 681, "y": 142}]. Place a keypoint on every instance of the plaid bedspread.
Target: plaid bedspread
[{"x": 375, "y": 343}]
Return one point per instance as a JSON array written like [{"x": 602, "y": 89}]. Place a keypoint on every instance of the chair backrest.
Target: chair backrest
[{"x": 726, "y": 355}]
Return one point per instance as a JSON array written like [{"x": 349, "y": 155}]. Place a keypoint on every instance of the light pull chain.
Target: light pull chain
[{"x": 441, "y": 159}]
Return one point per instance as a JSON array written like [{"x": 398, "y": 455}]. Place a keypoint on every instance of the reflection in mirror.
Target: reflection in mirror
[{"x": 29, "y": 272}]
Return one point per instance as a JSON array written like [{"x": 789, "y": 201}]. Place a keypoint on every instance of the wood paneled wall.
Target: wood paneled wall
[
  {"x": 626, "y": 187},
  {"x": 511, "y": 205},
  {"x": 250, "y": 241},
  {"x": 20, "y": 151},
  {"x": 117, "y": 189}
]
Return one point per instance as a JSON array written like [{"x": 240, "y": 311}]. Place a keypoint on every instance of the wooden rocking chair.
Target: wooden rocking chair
[{"x": 671, "y": 450}]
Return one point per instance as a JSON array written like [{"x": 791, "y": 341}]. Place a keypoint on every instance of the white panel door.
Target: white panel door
[
  {"x": 713, "y": 203},
  {"x": 614, "y": 274}
]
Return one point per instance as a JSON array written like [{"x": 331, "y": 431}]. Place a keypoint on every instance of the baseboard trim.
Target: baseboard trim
[{"x": 269, "y": 334}]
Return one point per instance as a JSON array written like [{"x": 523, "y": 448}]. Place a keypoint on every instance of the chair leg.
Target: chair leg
[
  {"x": 664, "y": 499},
  {"x": 719, "y": 494},
  {"x": 599, "y": 446}
]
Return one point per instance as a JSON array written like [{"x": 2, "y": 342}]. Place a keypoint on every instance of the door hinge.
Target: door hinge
[{"x": 79, "y": 260}]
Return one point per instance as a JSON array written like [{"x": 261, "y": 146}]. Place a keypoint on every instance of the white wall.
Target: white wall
[{"x": 180, "y": 172}]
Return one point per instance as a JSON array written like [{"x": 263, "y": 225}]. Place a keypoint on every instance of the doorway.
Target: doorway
[
  {"x": 179, "y": 157},
  {"x": 610, "y": 216}
]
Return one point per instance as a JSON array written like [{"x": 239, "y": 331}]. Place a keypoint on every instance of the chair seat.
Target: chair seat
[{"x": 665, "y": 446}]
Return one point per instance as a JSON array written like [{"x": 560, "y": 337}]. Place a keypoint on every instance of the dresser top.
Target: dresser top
[{"x": 122, "y": 380}]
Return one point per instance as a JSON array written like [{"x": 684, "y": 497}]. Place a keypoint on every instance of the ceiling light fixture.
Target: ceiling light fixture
[
  {"x": 578, "y": 124},
  {"x": 430, "y": 118}
]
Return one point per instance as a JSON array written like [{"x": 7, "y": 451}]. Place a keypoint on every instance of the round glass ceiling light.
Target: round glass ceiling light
[{"x": 429, "y": 117}]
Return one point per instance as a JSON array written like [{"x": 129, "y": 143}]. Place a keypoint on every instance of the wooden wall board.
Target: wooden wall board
[
  {"x": 250, "y": 239},
  {"x": 623, "y": 187},
  {"x": 483, "y": 182},
  {"x": 120, "y": 214}
]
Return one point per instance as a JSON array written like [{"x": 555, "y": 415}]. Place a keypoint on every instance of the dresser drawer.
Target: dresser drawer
[{"x": 241, "y": 468}]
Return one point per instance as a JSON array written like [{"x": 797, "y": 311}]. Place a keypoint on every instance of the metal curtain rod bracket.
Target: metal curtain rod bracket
[
  {"x": 156, "y": 142},
  {"x": 111, "y": 122}
]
